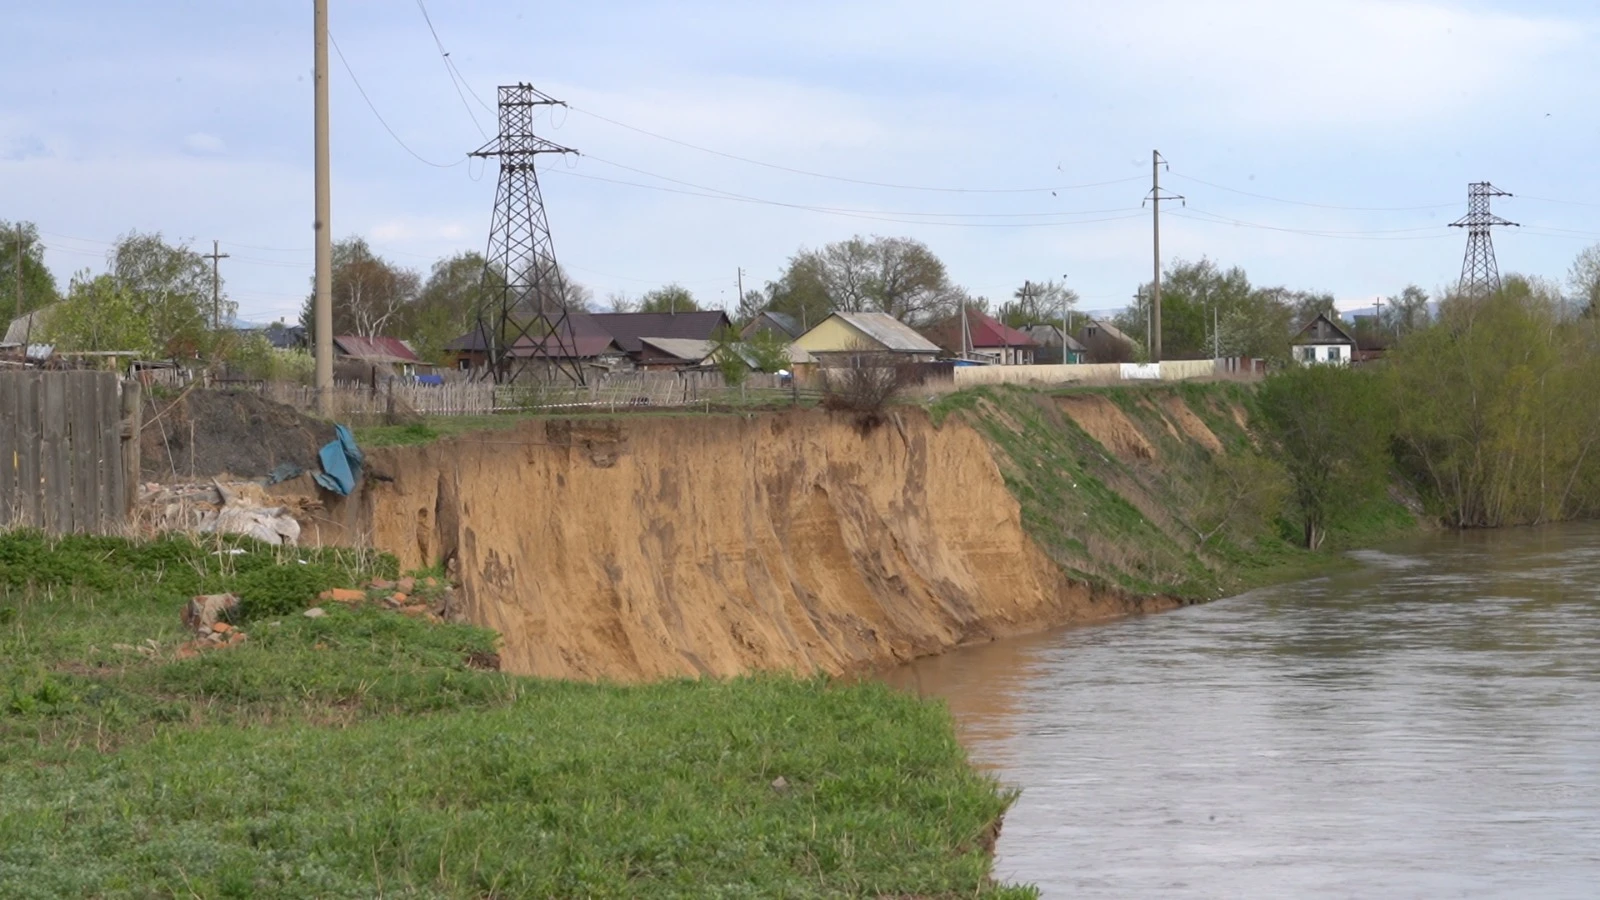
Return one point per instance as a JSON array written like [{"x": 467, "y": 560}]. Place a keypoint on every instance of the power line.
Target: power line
[
  {"x": 1214, "y": 219},
  {"x": 1313, "y": 205},
  {"x": 856, "y": 210},
  {"x": 738, "y": 198},
  {"x": 881, "y": 184},
  {"x": 444, "y": 56},
  {"x": 379, "y": 116}
]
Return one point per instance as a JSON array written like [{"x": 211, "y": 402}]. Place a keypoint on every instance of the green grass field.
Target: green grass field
[{"x": 367, "y": 754}]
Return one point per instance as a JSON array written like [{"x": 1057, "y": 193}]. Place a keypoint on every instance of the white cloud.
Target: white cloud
[{"x": 204, "y": 144}]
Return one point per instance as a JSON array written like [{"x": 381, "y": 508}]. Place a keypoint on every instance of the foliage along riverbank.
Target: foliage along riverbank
[
  {"x": 1160, "y": 490},
  {"x": 364, "y": 753}
]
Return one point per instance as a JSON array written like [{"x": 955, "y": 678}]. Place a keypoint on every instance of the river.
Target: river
[{"x": 1425, "y": 725}]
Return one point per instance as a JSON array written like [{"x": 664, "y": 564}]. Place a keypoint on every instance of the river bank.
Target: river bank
[
  {"x": 644, "y": 547},
  {"x": 363, "y": 752}
]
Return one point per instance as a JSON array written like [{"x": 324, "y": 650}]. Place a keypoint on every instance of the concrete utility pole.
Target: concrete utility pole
[
  {"x": 1064, "y": 314},
  {"x": 1156, "y": 162},
  {"x": 19, "y": 270},
  {"x": 324, "y": 258},
  {"x": 740, "y": 301},
  {"x": 216, "y": 286}
]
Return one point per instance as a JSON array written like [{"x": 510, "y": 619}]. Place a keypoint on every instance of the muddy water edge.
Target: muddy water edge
[{"x": 1421, "y": 725}]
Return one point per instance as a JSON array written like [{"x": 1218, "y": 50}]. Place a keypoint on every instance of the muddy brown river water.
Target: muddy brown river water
[{"x": 1425, "y": 725}]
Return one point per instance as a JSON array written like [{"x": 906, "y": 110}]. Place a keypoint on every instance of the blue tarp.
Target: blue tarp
[
  {"x": 341, "y": 463},
  {"x": 435, "y": 380}
]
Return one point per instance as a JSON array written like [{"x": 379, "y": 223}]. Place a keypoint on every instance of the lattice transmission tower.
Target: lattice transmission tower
[
  {"x": 1480, "y": 274},
  {"x": 522, "y": 315}
]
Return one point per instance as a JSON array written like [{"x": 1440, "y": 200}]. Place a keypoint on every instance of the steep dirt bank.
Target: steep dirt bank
[{"x": 652, "y": 547}]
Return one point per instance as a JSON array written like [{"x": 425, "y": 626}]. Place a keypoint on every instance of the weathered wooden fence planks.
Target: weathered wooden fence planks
[{"x": 63, "y": 465}]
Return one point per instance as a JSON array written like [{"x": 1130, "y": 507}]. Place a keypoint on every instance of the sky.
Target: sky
[{"x": 1322, "y": 144}]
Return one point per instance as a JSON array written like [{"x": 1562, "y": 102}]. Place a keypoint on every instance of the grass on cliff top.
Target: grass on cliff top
[
  {"x": 362, "y": 754},
  {"x": 1116, "y": 521}
]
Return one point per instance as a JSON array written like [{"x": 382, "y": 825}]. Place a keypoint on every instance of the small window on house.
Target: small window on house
[
  {"x": 1333, "y": 354},
  {"x": 463, "y": 364},
  {"x": 1308, "y": 354}
]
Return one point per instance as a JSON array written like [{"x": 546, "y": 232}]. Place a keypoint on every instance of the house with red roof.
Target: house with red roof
[{"x": 986, "y": 339}]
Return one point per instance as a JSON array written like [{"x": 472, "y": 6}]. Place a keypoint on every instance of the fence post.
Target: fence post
[{"x": 132, "y": 425}]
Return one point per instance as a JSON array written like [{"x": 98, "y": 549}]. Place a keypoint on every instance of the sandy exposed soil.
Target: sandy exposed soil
[{"x": 656, "y": 547}]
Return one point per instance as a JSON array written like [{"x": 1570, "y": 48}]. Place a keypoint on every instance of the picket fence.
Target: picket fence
[{"x": 354, "y": 400}]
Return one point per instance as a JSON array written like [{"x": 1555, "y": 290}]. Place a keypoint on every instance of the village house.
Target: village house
[
  {"x": 1101, "y": 338},
  {"x": 986, "y": 339},
  {"x": 630, "y": 330},
  {"x": 1051, "y": 339},
  {"x": 1323, "y": 341},
  {"x": 783, "y": 325},
  {"x": 376, "y": 357},
  {"x": 842, "y": 337}
]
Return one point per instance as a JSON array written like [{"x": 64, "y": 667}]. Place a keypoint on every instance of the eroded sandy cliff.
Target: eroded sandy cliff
[{"x": 648, "y": 547}]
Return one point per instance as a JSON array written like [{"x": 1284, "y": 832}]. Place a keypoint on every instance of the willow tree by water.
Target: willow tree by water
[{"x": 1498, "y": 409}]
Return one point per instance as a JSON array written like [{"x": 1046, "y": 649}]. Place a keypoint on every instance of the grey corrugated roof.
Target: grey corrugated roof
[
  {"x": 1110, "y": 330},
  {"x": 892, "y": 333},
  {"x": 682, "y": 348},
  {"x": 629, "y": 328},
  {"x": 20, "y": 327}
]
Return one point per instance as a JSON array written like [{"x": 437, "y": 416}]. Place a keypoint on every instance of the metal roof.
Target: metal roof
[
  {"x": 1051, "y": 336},
  {"x": 580, "y": 337},
  {"x": 375, "y": 349},
  {"x": 889, "y": 332},
  {"x": 687, "y": 349},
  {"x": 631, "y": 328}
]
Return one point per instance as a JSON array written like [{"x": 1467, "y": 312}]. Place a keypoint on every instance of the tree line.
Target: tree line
[
  {"x": 155, "y": 297},
  {"x": 1488, "y": 412}
]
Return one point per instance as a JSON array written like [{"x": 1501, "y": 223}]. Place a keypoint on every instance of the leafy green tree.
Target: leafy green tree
[
  {"x": 173, "y": 289},
  {"x": 1584, "y": 280},
  {"x": 100, "y": 313},
  {"x": 673, "y": 298},
  {"x": 800, "y": 292},
  {"x": 157, "y": 300},
  {"x": 369, "y": 293},
  {"x": 898, "y": 276},
  {"x": 38, "y": 284},
  {"x": 1406, "y": 311},
  {"x": 1499, "y": 408},
  {"x": 1194, "y": 297},
  {"x": 447, "y": 305},
  {"x": 1330, "y": 427}
]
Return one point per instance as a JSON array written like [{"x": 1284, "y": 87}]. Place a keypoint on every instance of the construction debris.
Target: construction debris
[
  {"x": 205, "y": 612},
  {"x": 216, "y": 508}
]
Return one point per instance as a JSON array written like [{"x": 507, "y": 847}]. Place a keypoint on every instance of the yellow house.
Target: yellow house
[{"x": 849, "y": 333}]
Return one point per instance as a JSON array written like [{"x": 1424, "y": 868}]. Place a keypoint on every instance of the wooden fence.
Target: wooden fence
[
  {"x": 65, "y": 465},
  {"x": 353, "y": 400}
]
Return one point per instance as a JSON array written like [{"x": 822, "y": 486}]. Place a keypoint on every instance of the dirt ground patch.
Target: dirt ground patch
[
  {"x": 1105, "y": 423},
  {"x": 1191, "y": 424},
  {"x": 208, "y": 433}
]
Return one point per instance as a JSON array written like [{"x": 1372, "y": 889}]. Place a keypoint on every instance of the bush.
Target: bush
[
  {"x": 283, "y": 589},
  {"x": 867, "y": 386}
]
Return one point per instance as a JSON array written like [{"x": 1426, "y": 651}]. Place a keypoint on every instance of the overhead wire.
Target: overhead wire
[
  {"x": 1273, "y": 199},
  {"x": 862, "y": 181},
  {"x": 847, "y": 210},
  {"x": 444, "y": 56},
  {"x": 379, "y": 116}
]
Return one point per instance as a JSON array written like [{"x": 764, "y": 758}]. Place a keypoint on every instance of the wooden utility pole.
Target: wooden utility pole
[
  {"x": 324, "y": 243},
  {"x": 216, "y": 286}
]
